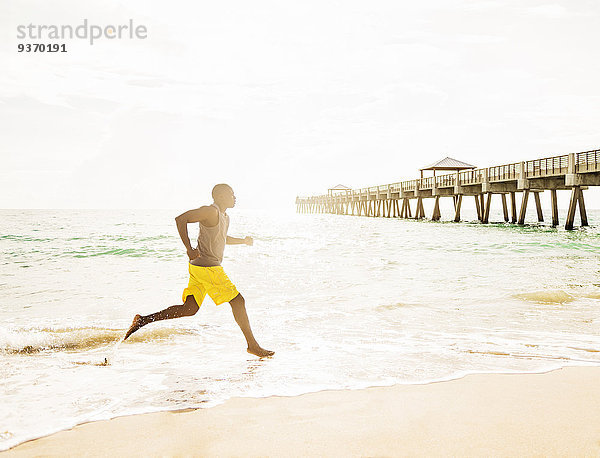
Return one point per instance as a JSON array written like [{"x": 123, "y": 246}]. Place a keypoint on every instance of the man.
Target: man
[{"x": 206, "y": 274}]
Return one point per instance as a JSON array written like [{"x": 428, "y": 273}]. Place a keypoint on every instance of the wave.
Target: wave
[
  {"x": 395, "y": 306},
  {"x": 155, "y": 246},
  {"x": 128, "y": 252},
  {"x": 592, "y": 294},
  {"x": 547, "y": 297},
  {"x": 36, "y": 340},
  {"x": 25, "y": 238}
]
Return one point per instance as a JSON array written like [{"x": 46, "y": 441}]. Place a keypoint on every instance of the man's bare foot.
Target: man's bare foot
[
  {"x": 135, "y": 325},
  {"x": 261, "y": 352}
]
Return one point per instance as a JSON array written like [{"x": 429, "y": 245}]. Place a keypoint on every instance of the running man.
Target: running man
[{"x": 206, "y": 274}]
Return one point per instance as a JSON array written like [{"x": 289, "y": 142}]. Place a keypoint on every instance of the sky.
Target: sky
[{"x": 287, "y": 98}]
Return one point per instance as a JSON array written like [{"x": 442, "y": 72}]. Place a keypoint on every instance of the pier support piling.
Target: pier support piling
[
  {"x": 457, "y": 205},
  {"x": 420, "y": 212},
  {"x": 523, "y": 207},
  {"x": 478, "y": 208},
  {"x": 571, "y": 210},
  {"x": 408, "y": 213},
  {"x": 504, "y": 207},
  {"x": 554, "y": 204},
  {"x": 482, "y": 206},
  {"x": 576, "y": 199},
  {"x": 582, "y": 212},
  {"x": 436, "y": 209},
  {"x": 486, "y": 213},
  {"x": 538, "y": 206},
  {"x": 513, "y": 207}
]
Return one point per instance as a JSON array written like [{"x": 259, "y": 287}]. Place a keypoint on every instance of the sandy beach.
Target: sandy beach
[{"x": 551, "y": 414}]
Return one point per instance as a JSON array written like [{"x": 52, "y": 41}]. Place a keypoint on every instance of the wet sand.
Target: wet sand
[{"x": 551, "y": 414}]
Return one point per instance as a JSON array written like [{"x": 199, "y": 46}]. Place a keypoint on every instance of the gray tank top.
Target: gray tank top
[{"x": 211, "y": 241}]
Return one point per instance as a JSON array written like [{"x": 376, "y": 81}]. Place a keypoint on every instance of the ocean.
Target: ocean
[{"x": 346, "y": 302}]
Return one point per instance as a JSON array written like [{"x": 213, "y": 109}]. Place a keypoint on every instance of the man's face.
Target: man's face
[{"x": 229, "y": 198}]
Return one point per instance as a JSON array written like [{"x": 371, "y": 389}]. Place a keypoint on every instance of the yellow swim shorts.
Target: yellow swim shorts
[{"x": 211, "y": 280}]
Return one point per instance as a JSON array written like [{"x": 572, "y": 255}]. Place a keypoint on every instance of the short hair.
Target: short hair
[{"x": 219, "y": 188}]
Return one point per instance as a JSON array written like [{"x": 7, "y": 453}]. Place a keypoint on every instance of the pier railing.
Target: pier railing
[
  {"x": 503, "y": 172},
  {"x": 587, "y": 161},
  {"x": 549, "y": 166}
]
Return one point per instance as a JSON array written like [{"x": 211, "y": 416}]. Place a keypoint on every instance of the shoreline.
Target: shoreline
[
  {"x": 449, "y": 378},
  {"x": 549, "y": 413}
]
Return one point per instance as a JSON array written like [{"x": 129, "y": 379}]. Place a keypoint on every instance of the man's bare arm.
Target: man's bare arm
[
  {"x": 206, "y": 215},
  {"x": 237, "y": 241}
]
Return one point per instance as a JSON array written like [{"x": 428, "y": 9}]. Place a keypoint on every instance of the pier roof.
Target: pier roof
[
  {"x": 449, "y": 163},
  {"x": 339, "y": 188}
]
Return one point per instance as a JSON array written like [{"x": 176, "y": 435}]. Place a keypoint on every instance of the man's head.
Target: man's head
[{"x": 223, "y": 196}]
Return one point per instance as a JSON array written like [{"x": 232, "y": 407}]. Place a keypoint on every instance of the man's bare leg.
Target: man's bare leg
[
  {"x": 189, "y": 308},
  {"x": 238, "y": 307}
]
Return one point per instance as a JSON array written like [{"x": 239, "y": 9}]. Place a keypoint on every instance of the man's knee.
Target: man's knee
[
  {"x": 190, "y": 306},
  {"x": 238, "y": 301}
]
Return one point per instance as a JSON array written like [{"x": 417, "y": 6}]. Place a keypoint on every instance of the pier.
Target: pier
[{"x": 573, "y": 172}]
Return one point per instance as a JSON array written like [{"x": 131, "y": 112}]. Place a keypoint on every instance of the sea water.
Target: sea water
[{"x": 346, "y": 302}]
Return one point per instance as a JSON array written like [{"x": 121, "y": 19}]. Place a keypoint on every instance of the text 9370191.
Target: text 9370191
[{"x": 41, "y": 47}]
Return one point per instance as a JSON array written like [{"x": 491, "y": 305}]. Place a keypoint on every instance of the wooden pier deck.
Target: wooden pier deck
[{"x": 572, "y": 172}]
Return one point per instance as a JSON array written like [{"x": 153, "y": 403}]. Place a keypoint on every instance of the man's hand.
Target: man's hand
[
  {"x": 209, "y": 216},
  {"x": 193, "y": 253},
  {"x": 249, "y": 241}
]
